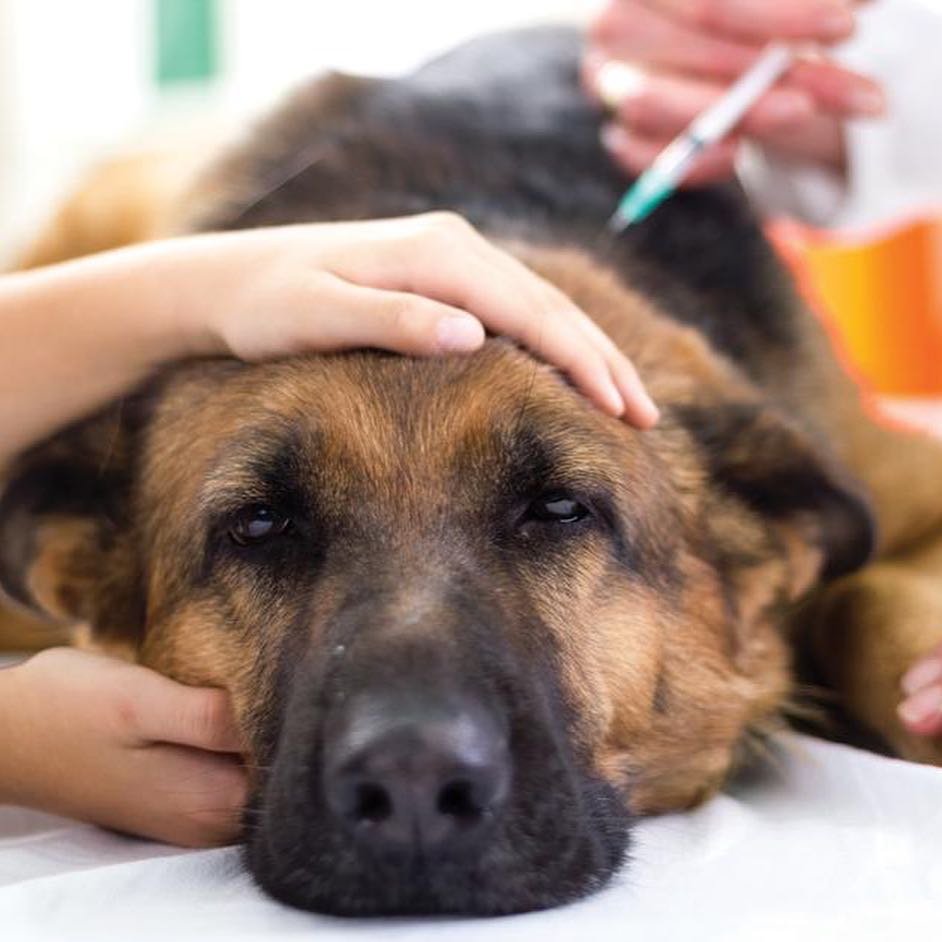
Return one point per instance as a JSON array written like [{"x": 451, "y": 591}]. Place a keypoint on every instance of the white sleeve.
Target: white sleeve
[{"x": 894, "y": 164}]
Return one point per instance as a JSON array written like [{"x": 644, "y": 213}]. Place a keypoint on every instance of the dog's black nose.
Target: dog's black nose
[{"x": 416, "y": 778}]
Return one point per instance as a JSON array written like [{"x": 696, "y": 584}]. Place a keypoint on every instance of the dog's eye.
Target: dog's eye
[
  {"x": 257, "y": 523},
  {"x": 557, "y": 507}
]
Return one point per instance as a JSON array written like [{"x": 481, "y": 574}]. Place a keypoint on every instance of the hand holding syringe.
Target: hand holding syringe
[
  {"x": 659, "y": 64},
  {"x": 674, "y": 163}
]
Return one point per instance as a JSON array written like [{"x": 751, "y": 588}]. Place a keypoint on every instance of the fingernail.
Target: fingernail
[
  {"x": 615, "y": 81},
  {"x": 921, "y": 707},
  {"x": 614, "y": 401},
  {"x": 459, "y": 333},
  {"x": 651, "y": 415},
  {"x": 867, "y": 101},
  {"x": 922, "y": 675},
  {"x": 643, "y": 413},
  {"x": 613, "y": 137},
  {"x": 834, "y": 22}
]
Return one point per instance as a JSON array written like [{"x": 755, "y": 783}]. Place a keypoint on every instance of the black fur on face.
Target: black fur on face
[{"x": 560, "y": 833}]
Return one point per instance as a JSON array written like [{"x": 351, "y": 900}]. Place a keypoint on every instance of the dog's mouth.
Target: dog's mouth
[{"x": 424, "y": 794}]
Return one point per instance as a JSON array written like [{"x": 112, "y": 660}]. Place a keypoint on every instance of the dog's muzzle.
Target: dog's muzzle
[{"x": 428, "y": 766}]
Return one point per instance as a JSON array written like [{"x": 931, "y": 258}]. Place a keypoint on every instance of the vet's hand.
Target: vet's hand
[
  {"x": 95, "y": 738},
  {"x": 658, "y": 63},
  {"x": 921, "y": 708},
  {"x": 428, "y": 284}
]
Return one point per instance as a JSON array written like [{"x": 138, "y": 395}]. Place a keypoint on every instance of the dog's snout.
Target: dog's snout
[{"x": 416, "y": 779}]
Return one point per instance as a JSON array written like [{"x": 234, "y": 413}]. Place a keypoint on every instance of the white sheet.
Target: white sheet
[{"x": 832, "y": 843}]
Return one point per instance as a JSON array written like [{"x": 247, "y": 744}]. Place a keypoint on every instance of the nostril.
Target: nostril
[
  {"x": 371, "y": 803},
  {"x": 400, "y": 779},
  {"x": 457, "y": 800}
]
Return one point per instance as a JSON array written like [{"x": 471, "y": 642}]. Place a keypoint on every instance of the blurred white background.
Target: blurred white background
[
  {"x": 83, "y": 79},
  {"x": 80, "y": 79}
]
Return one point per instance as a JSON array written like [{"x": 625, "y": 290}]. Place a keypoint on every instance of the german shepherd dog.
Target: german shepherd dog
[{"x": 471, "y": 625}]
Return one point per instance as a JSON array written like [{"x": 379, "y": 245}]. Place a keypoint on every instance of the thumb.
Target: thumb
[{"x": 201, "y": 717}]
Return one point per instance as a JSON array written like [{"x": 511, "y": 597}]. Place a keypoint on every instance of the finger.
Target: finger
[
  {"x": 636, "y": 154},
  {"x": 632, "y": 31},
  {"x": 640, "y": 408},
  {"x": 837, "y": 90},
  {"x": 822, "y": 140},
  {"x": 394, "y": 320},
  {"x": 659, "y": 105},
  {"x": 529, "y": 309},
  {"x": 759, "y": 20},
  {"x": 924, "y": 673},
  {"x": 615, "y": 69},
  {"x": 447, "y": 262},
  {"x": 549, "y": 315},
  {"x": 921, "y": 713},
  {"x": 565, "y": 347},
  {"x": 169, "y": 712},
  {"x": 202, "y": 796},
  {"x": 451, "y": 262},
  {"x": 458, "y": 266}
]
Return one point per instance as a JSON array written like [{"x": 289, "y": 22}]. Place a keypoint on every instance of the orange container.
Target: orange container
[{"x": 881, "y": 296}]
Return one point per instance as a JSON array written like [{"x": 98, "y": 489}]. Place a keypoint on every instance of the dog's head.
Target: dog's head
[{"x": 470, "y": 624}]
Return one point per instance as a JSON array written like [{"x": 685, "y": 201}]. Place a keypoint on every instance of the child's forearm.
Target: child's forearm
[{"x": 80, "y": 334}]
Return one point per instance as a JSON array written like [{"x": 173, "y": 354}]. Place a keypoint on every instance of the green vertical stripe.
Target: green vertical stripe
[{"x": 186, "y": 41}]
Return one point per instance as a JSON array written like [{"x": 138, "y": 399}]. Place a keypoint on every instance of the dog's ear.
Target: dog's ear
[
  {"x": 66, "y": 544},
  {"x": 758, "y": 456}
]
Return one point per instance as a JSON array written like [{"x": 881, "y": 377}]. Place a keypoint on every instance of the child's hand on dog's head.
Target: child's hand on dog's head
[
  {"x": 420, "y": 285},
  {"x": 657, "y": 64},
  {"x": 98, "y": 739},
  {"x": 427, "y": 284},
  {"x": 86, "y": 331}
]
